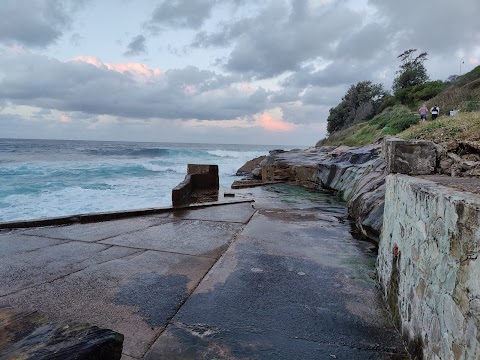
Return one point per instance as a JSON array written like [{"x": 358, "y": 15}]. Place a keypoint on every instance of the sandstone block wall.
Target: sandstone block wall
[
  {"x": 410, "y": 157},
  {"x": 429, "y": 267}
]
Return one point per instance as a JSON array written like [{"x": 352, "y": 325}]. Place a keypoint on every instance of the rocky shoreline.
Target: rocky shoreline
[
  {"x": 426, "y": 226},
  {"x": 357, "y": 174}
]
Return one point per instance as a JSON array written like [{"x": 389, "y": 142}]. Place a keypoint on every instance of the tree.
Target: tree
[
  {"x": 361, "y": 102},
  {"x": 412, "y": 71}
]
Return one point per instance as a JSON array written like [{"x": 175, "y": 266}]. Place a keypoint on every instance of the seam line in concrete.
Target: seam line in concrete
[
  {"x": 217, "y": 221},
  {"x": 109, "y": 245},
  {"x": 92, "y": 242},
  {"x": 163, "y": 251},
  {"x": 46, "y": 247},
  {"x": 169, "y": 321},
  {"x": 66, "y": 275}
]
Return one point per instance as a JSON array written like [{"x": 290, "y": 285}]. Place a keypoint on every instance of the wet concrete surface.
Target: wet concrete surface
[
  {"x": 282, "y": 279},
  {"x": 294, "y": 285}
]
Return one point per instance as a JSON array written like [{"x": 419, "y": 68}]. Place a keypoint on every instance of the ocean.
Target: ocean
[{"x": 49, "y": 178}]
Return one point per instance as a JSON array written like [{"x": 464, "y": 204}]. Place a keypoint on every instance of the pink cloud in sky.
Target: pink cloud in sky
[
  {"x": 135, "y": 68},
  {"x": 190, "y": 89},
  {"x": 473, "y": 60},
  {"x": 270, "y": 123},
  {"x": 65, "y": 118},
  {"x": 246, "y": 87}
]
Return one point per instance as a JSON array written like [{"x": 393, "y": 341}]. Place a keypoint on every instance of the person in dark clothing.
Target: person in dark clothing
[{"x": 435, "y": 110}]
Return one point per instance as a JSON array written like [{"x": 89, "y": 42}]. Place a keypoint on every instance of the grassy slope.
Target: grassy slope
[
  {"x": 390, "y": 122},
  {"x": 463, "y": 94},
  {"x": 461, "y": 127}
]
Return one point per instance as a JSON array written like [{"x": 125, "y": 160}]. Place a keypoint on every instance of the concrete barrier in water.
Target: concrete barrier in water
[{"x": 200, "y": 179}]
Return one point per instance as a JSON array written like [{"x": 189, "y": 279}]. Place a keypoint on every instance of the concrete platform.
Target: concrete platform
[{"x": 282, "y": 279}]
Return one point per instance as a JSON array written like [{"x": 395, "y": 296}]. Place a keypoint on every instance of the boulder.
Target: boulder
[
  {"x": 31, "y": 336},
  {"x": 250, "y": 166}
]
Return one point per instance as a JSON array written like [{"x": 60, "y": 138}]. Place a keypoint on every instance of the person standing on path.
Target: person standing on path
[
  {"x": 435, "y": 110},
  {"x": 423, "y": 113}
]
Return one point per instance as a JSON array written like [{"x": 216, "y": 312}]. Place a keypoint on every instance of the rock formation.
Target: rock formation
[
  {"x": 356, "y": 173},
  {"x": 30, "y": 335}
]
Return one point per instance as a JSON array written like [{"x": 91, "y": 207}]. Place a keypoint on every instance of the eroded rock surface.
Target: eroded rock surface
[
  {"x": 357, "y": 173},
  {"x": 30, "y": 335},
  {"x": 459, "y": 158}
]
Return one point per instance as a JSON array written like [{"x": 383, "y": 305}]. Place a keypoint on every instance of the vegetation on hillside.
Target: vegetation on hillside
[
  {"x": 412, "y": 71},
  {"x": 464, "y": 126},
  {"x": 361, "y": 102},
  {"x": 391, "y": 121},
  {"x": 367, "y": 111}
]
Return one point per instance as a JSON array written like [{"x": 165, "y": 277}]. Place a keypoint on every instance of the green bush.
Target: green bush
[
  {"x": 387, "y": 130},
  {"x": 404, "y": 123},
  {"x": 427, "y": 90},
  {"x": 419, "y": 93},
  {"x": 394, "y": 119}
]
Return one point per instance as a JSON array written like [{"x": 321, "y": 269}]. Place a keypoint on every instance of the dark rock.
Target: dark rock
[
  {"x": 249, "y": 166},
  {"x": 29, "y": 335}
]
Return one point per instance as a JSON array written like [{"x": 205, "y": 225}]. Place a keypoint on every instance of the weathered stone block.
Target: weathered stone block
[{"x": 410, "y": 157}]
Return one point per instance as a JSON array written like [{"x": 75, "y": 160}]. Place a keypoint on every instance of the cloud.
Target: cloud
[
  {"x": 140, "y": 71},
  {"x": 128, "y": 90},
  {"x": 181, "y": 13},
  {"x": 271, "y": 123},
  {"x": 431, "y": 26},
  {"x": 136, "y": 46},
  {"x": 282, "y": 36},
  {"x": 36, "y": 23}
]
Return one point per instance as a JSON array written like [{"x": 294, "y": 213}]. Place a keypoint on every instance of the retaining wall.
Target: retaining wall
[{"x": 429, "y": 268}]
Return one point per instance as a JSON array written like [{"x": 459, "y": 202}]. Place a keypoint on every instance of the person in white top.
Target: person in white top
[{"x": 435, "y": 110}]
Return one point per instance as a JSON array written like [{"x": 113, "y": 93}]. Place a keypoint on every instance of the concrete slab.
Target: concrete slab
[
  {"x": 191, "y": 237},
  {"x": 92, "y": 232},
  {"x": 239, "y": 213},
  {"x": 13, "y": 243},
  {"x": 293, "y": 285},
  {"x": 47, "y": 264},
  {"x": 201, "y": 342},
  {"x": 134, "y": 295},
  {"x": 322, "y": 239}
]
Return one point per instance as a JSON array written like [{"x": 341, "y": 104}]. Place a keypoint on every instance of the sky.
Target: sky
[{"x": 211, "y": 71}]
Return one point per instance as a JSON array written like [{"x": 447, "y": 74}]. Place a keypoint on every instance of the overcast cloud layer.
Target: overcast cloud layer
[{"x": 211, "y": 70}]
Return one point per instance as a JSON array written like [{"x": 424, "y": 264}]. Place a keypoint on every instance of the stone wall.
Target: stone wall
[{"x": 429, "y": 268}]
